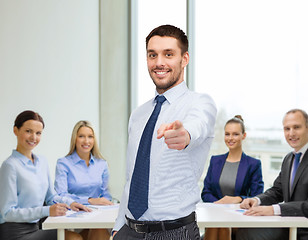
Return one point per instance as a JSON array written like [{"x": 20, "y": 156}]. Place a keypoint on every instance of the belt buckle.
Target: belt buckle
[{"x": 136, "y": 227}]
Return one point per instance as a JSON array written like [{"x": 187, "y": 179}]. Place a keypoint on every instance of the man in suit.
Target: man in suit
[{"x": 290, "y": 189}]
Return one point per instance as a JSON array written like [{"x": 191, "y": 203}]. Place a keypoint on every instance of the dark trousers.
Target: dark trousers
[
  {"x": 187, "y": 232},
  {"x": 25, "y": 231}
]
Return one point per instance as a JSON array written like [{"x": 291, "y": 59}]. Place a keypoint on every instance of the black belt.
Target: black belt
[{"x": 156, "y": 226}]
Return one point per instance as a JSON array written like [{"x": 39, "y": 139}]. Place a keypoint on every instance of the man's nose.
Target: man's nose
[{"x": 160, "y": 61}]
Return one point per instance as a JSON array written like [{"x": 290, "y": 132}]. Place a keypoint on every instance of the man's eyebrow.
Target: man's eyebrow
[
  {"x": 165, "y": 50},
  {"x": 168, "y": 50}
]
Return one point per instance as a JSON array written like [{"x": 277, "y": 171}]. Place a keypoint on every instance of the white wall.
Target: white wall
[
  {"x": 115, "y": 84},
  {"x": 49, "y": 62}
]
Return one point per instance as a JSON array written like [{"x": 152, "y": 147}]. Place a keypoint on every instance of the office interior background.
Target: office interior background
[{"x": 73, "y": 59}]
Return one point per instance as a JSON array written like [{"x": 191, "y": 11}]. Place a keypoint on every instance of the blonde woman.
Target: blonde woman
[{"x": 83, "y": 174}]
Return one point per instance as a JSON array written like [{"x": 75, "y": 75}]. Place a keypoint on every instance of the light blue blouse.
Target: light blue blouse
[
  {"x": 77, "y": 180},
  {"x": 24, "y": 187}
]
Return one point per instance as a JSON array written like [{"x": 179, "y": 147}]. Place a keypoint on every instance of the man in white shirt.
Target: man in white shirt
[
  {"x": 290, "y": 190},
  {"x": 181, "y": 139}
]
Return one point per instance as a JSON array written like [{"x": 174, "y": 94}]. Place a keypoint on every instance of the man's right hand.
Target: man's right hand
[{"x": 248, "y": 203}]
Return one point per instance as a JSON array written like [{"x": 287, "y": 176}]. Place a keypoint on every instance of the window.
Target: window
[
  {"x": 276, "y": 163},
  {"x": 152, "y": 14},
  {"x": 252, "y": 58}
]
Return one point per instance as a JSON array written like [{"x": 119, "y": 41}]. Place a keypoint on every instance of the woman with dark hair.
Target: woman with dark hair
[
  {"x": 25, "y": 186},
  {"x": 231, "y": 177},
  {"x": 83, "y": 174}
]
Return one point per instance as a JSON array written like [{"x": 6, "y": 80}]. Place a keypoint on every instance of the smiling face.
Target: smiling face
[
  {"x": 165, "y": 62},
  {"x": 295, "y": 130},
  {"x": 84, "y": 141},
  {"x": 234, "y": 136},
  {"x": 28, "y": 136}
]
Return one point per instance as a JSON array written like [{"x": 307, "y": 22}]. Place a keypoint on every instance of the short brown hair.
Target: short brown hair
[
  {"x": 170, "y": 31},
  {"x": 294, "y": 110},
  {"x": 25, "y": 116}
]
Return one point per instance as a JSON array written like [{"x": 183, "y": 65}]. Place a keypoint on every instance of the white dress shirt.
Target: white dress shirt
[{"x": 174, "y": 174}]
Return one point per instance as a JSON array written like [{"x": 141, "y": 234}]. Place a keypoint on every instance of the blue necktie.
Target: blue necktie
[
  {"x": 295, "y": 166},
  {"x": 139, "y": 186}
]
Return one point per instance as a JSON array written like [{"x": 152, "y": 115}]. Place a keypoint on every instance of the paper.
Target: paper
[{"x": 102, "y": 207}]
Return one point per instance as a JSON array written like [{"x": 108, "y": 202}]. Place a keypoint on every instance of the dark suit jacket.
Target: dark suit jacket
[
  {"x": 290, "y": 201},
  {"x": 248, "y": 180}
]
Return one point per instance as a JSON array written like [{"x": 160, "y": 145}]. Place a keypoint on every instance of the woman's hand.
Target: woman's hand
[
  {"x": 77, "y": 207},
  {"x": 58, "y": 209},
  {"x": 99, "y": 201},
  {"x": 229, "y": 200}
]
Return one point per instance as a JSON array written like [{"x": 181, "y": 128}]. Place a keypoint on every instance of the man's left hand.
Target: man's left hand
[
  {"x": 260, "y": 211},
  {"x": 176, "y": 136}
]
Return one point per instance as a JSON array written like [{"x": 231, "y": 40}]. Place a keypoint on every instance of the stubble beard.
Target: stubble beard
[{"x": 162, "y": 87}]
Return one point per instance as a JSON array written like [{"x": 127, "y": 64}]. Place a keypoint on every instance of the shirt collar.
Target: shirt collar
[
  {"x": 24, "y": 159},
  {"x": 302, "y": 150},
  {"x": 76, "y": 159},
  {"x": 174, "y": 93}
]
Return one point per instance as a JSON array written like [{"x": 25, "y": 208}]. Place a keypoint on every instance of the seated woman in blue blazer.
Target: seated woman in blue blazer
[{"x": 233, "y": 176}]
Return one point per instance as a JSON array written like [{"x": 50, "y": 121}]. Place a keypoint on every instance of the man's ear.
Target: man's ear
[{"x": 185, "y": 59}]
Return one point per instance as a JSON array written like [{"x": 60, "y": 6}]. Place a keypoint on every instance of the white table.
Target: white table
[
  {"x": 102, "y": 218},
  {"x": 220, "y": 215},
  {"x": 208, "y": 215}
]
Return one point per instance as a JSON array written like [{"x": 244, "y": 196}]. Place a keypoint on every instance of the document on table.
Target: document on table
[
  {"x": 239, "y": 211},
  {"x": 103, "y": 207},
  {"x": 80, "y": 214},
  {"x": 96, "y": 209},
  {"x": 216, "y": 205},
  {"x": 235, "y": 208}
]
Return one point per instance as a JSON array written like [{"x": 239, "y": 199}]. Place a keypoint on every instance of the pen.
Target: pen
[{"x": 57, "y": 203}]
